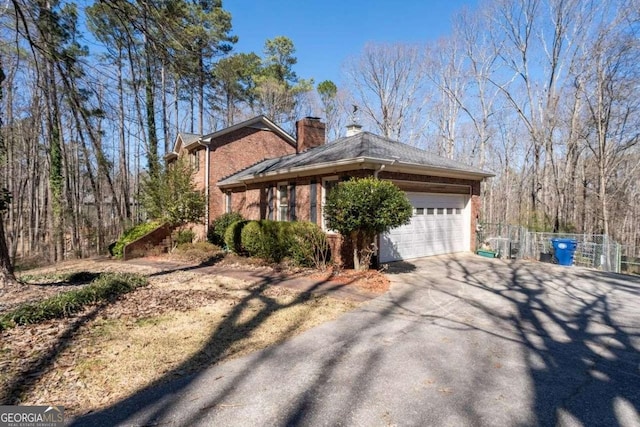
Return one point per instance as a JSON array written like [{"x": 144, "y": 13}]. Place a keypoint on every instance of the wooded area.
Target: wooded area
[{"x": 544, "y": 93}]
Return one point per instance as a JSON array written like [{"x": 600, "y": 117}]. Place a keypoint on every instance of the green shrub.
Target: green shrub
[
  {"x": 184, "y": 236},
  {"x": 304, "y": 242},
  {"x": 133, "y": 234},
  {"x": 308, "y": 246},
  {"x": 266, "y": 239},
  {"x": 362, "y": 208},
  {"x": 232, "y": 236},
  {"x": 218, "y": 227},
  {"x": 107, "y": 287},
  {"x": 252, "y": 240}
]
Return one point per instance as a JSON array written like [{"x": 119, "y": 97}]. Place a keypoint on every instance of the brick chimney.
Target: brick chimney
[{"x": 310, "y": 133}]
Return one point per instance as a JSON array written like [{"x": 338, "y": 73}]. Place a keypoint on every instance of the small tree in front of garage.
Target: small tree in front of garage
[{"x": 360, "y": 209}]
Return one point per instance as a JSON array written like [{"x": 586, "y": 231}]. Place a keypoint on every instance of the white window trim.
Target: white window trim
[
  {"x": 195, "y": 160},
  {"x": 278, "y": 201},
  {"x": 324, "y": 198},
  {"x": 227, "y": 202}
]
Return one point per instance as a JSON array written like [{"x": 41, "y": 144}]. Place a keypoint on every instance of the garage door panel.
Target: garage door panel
[{"x": 428, "y": 234}]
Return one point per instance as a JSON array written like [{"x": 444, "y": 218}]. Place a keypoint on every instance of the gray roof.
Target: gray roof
[
  {"x": 363, "y": 145},
  {"x": 189, "y": 138}
]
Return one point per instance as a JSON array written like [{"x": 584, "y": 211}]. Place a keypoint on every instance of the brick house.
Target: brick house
[
  {"x": 259, "y": 170},
  {"x": 222, "y": 153},
  {"x": 292, "y": 185}
]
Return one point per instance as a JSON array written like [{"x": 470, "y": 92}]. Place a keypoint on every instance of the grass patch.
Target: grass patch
[
  {"x": 106, "y": 287},
  {"x": 150, "y": 321},
  {"x": 68, "y": 278}
]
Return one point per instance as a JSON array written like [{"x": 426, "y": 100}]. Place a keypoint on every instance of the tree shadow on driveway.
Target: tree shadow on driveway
[
  {"x": 580, "y": 332},
  {"x": 428, "y": 353}
]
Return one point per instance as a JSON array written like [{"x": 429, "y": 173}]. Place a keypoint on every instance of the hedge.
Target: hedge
[
  {"x": 232, "y": 237},
  {"x": 218, "y": 227},
  {"x": 303, "y": 242},
  {"x": 267, "y": 239}
]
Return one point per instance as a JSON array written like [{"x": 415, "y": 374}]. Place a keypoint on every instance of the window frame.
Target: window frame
[
  {"x": 227, "y": 201},
  {"x": 279, "y": 205},
  {"x": 333, "y": 179},
  {"x": 194, "y": 160}
]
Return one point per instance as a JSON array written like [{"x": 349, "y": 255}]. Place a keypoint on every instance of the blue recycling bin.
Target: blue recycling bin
[{"x": 564, "y": 250}]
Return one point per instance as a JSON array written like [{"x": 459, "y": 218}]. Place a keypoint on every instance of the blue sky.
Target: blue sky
[{"x": 327, "y": 32}]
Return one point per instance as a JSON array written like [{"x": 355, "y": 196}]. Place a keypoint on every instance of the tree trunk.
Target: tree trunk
[
  {"x": 354, "y": 243},
  {"x": 6, "y": 268},
  {"x": 125, "y": 208}
]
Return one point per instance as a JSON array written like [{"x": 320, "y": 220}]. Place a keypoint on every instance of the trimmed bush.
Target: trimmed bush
[
  {"x": 303, "y": 242},
  {"x": 218, "y": 227},
  {"x": 252, "y": 239},
  {"x": 267, "y": 239},
  {"x": 133, "y": 234},
  {"x": 361, "y": 208},
  {"x": 107, "y": 287},
  {"x": 232, "y": 236}
]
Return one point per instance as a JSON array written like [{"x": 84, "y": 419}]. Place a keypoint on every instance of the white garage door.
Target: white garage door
[{"x": 439, "y": 225}]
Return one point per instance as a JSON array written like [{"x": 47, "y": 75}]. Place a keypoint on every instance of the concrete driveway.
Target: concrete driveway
[{"x": 458, "y": 341}]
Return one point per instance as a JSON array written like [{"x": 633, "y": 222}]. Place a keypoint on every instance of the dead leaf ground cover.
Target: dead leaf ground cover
[{"x": 180, "y": 323}]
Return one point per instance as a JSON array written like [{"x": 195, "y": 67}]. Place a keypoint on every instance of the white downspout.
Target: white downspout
[
  {"x": 206, "y": 187},
  {"x": 377, "y": 171}
]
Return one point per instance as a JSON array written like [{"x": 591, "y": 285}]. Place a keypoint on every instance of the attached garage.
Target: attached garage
[
  {"x": 440, "y": 225},
  {"x": 445, "y": 194}
]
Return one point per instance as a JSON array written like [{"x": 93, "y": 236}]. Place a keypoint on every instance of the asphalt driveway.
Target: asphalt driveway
[{"x": 458, "y": 341}]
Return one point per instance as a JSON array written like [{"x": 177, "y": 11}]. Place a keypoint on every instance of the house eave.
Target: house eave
[
  {"x": 359, "y": 163},
  {"x": 414, "y": 168}
]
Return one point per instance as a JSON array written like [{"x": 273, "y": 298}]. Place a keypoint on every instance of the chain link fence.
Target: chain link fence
[
  {"x": 630, "y": 259},
  {"x": 597, "y": 251}
]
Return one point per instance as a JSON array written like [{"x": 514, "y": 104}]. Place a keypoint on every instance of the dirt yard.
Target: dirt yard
[{"x": 181, "y": 322}]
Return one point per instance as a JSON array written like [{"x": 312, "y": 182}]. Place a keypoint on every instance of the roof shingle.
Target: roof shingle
[{"x": 361, "y": 145}]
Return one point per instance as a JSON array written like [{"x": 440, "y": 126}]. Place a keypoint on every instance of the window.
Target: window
[
  {"x": 430, "y": 211},
  {"x": 418, "y": 211},
  {"x": 195, "y": 160},
  {"x": 227, "y": 202},
  {"x": 440, "y": 211},
  {"x": 327, "y": 185},
  {"x": 458, "y": 211},
  {"x": 313, "y": 202},
  {"x": 449, "y": 211},
  {"x": 283, "y": 202}
]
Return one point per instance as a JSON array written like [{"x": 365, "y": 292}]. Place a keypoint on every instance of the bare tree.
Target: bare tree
[
  {"x": 386, "y": 81},
  {"x": 609, "y": 85}
]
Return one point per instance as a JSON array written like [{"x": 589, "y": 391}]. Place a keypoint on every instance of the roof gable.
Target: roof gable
[
  {"x": 188, "y": 141},
  {"x": 184, "y": 140},
  {"x": 258, "y": 122}
]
